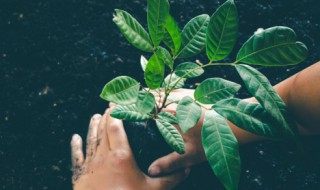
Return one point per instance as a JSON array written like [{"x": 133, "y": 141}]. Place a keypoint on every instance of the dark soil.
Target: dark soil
[{"x": 56, "y": 55}]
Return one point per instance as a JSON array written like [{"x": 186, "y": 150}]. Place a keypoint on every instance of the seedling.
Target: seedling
[{"x": 276, "y": 46}]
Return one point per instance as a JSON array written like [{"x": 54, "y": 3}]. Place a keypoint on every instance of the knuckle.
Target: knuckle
[
  {"x": 120, "y": 156},
  {"x": 113, "y": 127}
]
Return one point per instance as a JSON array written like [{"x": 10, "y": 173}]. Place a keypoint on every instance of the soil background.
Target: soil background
[{"x": 56, "y": 56}]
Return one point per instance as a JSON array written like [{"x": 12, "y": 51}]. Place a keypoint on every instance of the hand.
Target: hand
[
  {"x": 109, "y": 163},
  {"x": 194, "y": 150}
]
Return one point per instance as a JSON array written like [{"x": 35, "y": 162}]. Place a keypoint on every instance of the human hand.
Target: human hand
[
  {"x": 194, "y": 151},
  {"x": 109, "y": 163}
]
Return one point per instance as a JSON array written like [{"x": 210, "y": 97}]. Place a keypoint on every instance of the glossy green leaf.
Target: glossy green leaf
[
  {"x": 249, "y": 116},
  {"x": 132, "y": 30},
  {"x": 213, "y": 90},
  {"x": 121, "y": 90},
  {"x": 222, "y": 32},
  {"x": 145, "y": 103},
  {"x": 172, "y": 80},
  {"x": 221, "y": 149},
  {"x": 154, "y": 72},
  {"x": 165, "y": 56},
  {"x": 158, "y": 12},
  {"x": 171, "y": 136},
  {"x": 194, "y": 36},
  {"x": 276, "y": 46},
  {"x": 184, "y": 68},
  {"x": 168, "y": 117},
  {"x": 172, "y": 37},
  {"x": 129, "y": 113},
  {"x": 259, "y": 86},
  {"x": 143, "y": 62},
  {"x": 188, "y": 113}
]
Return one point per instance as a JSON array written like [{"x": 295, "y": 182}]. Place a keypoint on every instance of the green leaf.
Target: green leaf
[
  {"x": 213, "y": 90},
  {"x": 154, "y": 72},
  {"x": 165, "y": 56},
  {"x": 172, "y": 37},
  {"x": 121, "y": 90},
  {"x": 222, "y": 32},
  {"x": 221, "y": 149},
  {"x": 259, "y": 86},
  {"x": 129, "y": 113},
  {"x": 172, "y": 79},
  {"x": 132, "y": 30},
  {"x": 158, "y": 12},
  {"x": 188, "y": 113},
  {"x": 143, "y": 62},
  {"x": 168, "y": 117},
  {"x": 249, "y": 116},
  {"x": 174, "y": 99},
  {"x": 171, "y": 135},
  {"x": 194, "y": 69},
  {"x": 194, "y": 36},
  {"x": 276, "y": 46},
  {"x": 146, "y": 102}
]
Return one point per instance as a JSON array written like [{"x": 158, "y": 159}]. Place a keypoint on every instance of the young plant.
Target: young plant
[{"x": 276, "y": 46}]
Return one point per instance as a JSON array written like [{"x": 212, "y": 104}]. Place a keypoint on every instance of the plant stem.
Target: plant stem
[
  {"x": 167, "y": 92},
  {"x": 203, "y": 66}
]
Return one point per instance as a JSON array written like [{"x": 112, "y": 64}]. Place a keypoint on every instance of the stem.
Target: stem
[
  {"x": 203, "y": 66},
  {"x": 167, "y": 92}
]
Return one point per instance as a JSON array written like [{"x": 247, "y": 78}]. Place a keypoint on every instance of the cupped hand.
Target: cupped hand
[
  {"x": 194, "y": 151},
  {"x": 109, "y": 162}
]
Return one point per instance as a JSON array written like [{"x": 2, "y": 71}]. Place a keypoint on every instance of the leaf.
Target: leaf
[
  {"x": 171, "y": 136},
  {"x": 165, "y": 56},
  {"x": 145, "y": 103},
  {"x": 194, "y": 36},
  {"x": 188, "y": 113},
  {"x": 194, "y": 69},
  {"x": 168, "y": 117},
  {"x": 222, "y": 32},
  {"x": 249, "y": 116},
  {"x": 172, "y": 37},
  {"x": 121, "y": 90},
  {"x": 276, "y": 46},
  {"x": 221, "y": 149},
  {"x": 259, "y": 86},
  {"x": 172, "y": 79},
  {"x": 154, "y": 72},
  {"x": 158, "y": 12},
  {"x": 132, "y": 30},
  {"x": 143, "y": 62},
  {"x": 129, "y": 113},
  {"x": 173, "y": 98},
  {"x": 213, "y": 90}
]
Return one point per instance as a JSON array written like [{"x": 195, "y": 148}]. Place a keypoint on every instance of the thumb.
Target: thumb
[
  {"x": 170, "y": 181},
  {"x": 167, "y": 164}
]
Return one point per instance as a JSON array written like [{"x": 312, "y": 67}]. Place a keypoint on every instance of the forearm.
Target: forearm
[{"x": 301, "y": 94}]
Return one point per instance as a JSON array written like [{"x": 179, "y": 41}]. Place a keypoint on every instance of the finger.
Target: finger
[
  {"x": 169, "y": 181},
  {"x": 77, "y": 157},
  {"x": 92, "y": 137},
  {"x": 103, "y": 141},
  {"x": 116, "y": 134},
  {"x": 111, "y": 105},
  {"x": 167, "y": 164}
]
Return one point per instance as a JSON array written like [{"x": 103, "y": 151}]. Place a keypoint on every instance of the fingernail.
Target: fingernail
[
  {"x": 154, "y": 170},
  {"x": 96, "y": 116}
]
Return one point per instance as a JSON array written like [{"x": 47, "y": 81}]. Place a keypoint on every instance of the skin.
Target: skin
[
  {"x": 300, "y": 93},
  {"x": 109, "y": 163}
]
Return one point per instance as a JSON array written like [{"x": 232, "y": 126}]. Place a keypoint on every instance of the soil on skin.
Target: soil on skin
[{"x": 56, "y": 55}]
